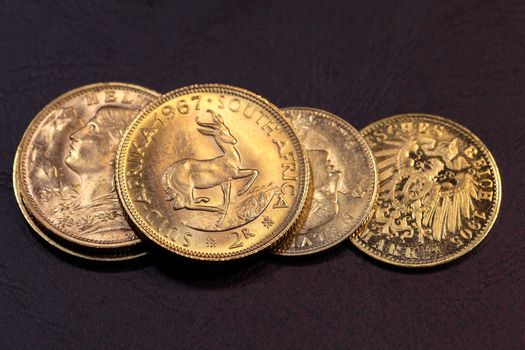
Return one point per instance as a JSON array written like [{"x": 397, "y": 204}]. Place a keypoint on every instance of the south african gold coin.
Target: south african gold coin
[
  {"x": 212, "y": 172},
  {"x": 66, "y": 166},
  {"x": 439, "y": 191},
  {"x": 344, "y": 181}
]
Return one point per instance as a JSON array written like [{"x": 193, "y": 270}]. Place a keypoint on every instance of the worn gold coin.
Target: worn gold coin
[
  {"x": 344, "y": 181},
  {"x": 212, "y": 172},
  {"x": 64, "y": 246},
  {"x": 66, "y": 166},
  {"x": 439, "y": 191}
]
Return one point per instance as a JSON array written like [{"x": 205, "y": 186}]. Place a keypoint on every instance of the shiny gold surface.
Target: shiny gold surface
[
  {"x": 439, "y": 191},
  {"x": 76, "y": 251},
  {"x": 212, "y": 172},
  {"x": 67, "y": 164},
  {"x": 344, "y": 181}
]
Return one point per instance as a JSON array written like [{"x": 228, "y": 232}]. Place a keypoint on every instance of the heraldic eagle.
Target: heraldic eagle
[{"x": 429, "y": 182}]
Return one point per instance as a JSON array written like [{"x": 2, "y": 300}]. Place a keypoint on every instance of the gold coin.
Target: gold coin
[
  {"x": 212, "y": 172},
  {"x": 439, "y": 191},
  {"x": 344, "y": 181},
  {"x": 66, "y": 165},
  {"x": 62, "y": 245}
]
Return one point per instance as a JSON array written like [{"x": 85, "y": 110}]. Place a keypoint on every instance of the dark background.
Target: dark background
[{"x": 362, "y": 60}]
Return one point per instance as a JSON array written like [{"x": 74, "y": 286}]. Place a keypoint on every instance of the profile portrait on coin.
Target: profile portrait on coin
[
  {"x": 65, "y": 171},
  {"x": 333, "y": 185},
  {"x": 91, "y": 157},
  {"x": 344, "y": 181},
  {"x": 327, "y": 178}
]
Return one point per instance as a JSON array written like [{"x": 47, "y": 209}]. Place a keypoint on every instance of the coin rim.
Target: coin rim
[
  {"x": 493, "y": 212},
  {"x": 30, "y": 203},
  {"x": 270, "y": 239},
  {"x": 365, "y": 215}
]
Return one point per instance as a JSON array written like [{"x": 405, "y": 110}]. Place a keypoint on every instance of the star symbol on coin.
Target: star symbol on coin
[
  {"x": 267, "y": 222},
  {"x": 211, "y": 242}
]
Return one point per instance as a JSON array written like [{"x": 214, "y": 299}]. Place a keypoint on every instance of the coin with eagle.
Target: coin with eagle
[{"x": 439, "y": 191}]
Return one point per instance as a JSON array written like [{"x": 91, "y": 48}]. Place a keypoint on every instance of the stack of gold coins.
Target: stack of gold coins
[
  {"x": 212, "y": 172},
  {"x": 64, "y": 171}
]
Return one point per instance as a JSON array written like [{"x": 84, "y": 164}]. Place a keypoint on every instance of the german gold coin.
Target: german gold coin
[
  {"x": 439, "y": 191},
  {"x": 66, "y": 165},
  {"x": 62, "y": 245},
  {"x": 212, "y": 172},
  {"x": 344, "y": 181}
]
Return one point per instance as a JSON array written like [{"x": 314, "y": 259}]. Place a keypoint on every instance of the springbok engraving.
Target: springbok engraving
[{"x": 185, "y": 175}]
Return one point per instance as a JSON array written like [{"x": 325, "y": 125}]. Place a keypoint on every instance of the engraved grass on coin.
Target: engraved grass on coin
[
  {"x": 212, "y": 172},
  {"x": 439, "y": 191},
  {"x": 67, "y": 164},
  {"x": 344, "y": 181}
]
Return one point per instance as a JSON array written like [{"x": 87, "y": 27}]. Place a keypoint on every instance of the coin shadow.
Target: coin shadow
[
  {"x": 407, "y": 270},
  {"x": 227, "y": 274},
  {"x": 317, "y": 258},
  {"x": 212, "y": 275}
]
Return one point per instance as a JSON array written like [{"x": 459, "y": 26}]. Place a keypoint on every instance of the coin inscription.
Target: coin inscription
[
  {"x": 344, "y": 181},
  {"x": 439, "y": 191},
  {"x": 212, "y": 172},
  {"x": 67, "y": 164}
]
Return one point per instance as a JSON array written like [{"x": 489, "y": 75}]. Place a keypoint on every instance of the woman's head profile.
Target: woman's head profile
[{"x": 93, "y": 146}]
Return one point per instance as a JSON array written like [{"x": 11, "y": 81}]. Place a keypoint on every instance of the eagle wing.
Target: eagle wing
[{"x": 448, "y": 208}]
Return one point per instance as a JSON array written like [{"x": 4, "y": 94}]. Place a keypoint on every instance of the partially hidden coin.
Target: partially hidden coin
[
  {"x": 439, "y": 191},
  {"x": 65, "y": 246},
  {"x": 344, "y": 181},
  {"x": 65, "y": 180},
  {"x": 212, "y": 172}
]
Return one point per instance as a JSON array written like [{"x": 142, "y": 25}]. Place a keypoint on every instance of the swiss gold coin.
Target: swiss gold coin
[
  {"x": 62, "y": 245},
  {"x": 66, "y": 166},
  {"x": 212, "y": 172},
  {"x": 344, "y": 180},
  {"x": 439, "y": 191}
]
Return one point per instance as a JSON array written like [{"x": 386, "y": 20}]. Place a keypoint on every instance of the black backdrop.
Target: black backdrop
[{"x": 362, "y": 60}]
